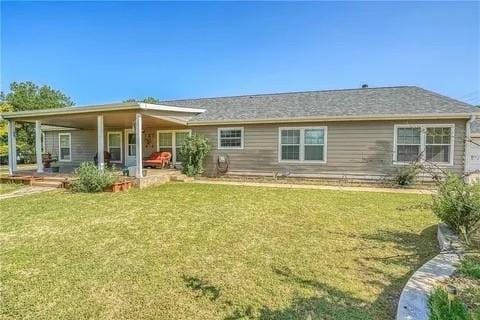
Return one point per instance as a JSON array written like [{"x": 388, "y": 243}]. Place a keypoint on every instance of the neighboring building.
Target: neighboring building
[
  {"x": 355, "y": 133},
  {"x": 474, "y": 154}
]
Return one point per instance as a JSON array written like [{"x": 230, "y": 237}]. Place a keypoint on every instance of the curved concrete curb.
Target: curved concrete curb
[{"x": 414, "y": 298}]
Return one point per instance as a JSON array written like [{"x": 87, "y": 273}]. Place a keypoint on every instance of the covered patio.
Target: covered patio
[{"x": 129, "y": 132}]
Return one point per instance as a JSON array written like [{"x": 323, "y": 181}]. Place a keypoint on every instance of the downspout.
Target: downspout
[{"x": 467, "y": 147}]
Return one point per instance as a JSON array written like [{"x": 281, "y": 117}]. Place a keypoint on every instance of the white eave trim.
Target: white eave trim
[
  {"x": 429, "y": 116},
  {"x": 97, "y": 108},
  {"x": 162, "y": 107}
]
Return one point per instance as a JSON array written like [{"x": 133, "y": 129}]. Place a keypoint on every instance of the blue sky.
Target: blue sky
[{"x": 99, "y": 52}]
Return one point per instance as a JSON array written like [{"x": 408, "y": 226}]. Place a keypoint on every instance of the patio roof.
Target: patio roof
[{"x": 116, "y": 115}]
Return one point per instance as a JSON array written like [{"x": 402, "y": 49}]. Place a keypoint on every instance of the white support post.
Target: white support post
[
  {"x": 138, "y": 142},
  {"x": 100, "y": 145},
  {"x": 38, "y": 145},
  {"x": 12, "y": 148}
]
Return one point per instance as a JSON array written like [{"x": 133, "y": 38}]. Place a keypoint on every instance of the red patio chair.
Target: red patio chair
[{"x": 157, "y": 159}]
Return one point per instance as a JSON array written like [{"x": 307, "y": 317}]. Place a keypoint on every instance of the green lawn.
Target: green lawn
[{"x": 188, "y": 251}]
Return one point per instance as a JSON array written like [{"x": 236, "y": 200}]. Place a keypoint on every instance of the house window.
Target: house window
[
  {"x": 438, "y": 144},
  {"x": 180, "y": 138},
  {"x": 114, "y": 146},
  {"x": 303, "y": 144},
  {"x": 131, "y": 144},
  {"x": 172, "y": 141},
  {"x": 165, "y": 142},
  {"x": 65, "y": 147},
  {"x": 430, "y": 143},
  {"x": 230, "y": 138},
  {"x": 290, "y": 141},
  {"x": 408, "y": 144}
]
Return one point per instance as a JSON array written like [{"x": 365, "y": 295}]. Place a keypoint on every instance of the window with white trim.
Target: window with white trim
[
  {"x": 230, "y": 138},
  {"x": 306, "y": 144},
  {"x": 64, "y": 147},
  {"x": 409, "y": 144},
  {"x": 114, "y": 145},
  {"x": 430, "y": 143},
  {"x": 438, "y": 144}
]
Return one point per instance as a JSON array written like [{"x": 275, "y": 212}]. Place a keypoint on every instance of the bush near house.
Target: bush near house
[
  {"x": 194, "y": 150},
  {"x": 407, "y": 176},
  {"x": 91, "y": 179},
  {"x": 458, "y": 205}
]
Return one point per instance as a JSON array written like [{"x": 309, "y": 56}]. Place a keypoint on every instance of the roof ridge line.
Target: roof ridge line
[
  {"x": 291, "y": 92},
  {"x": 449, "y": 98}
]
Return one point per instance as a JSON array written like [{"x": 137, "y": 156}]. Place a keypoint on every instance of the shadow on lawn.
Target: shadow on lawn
[
  {"x": 332, "y": 303},
  {"x": 416, "y": 249},
  {"x": 202, "y": 287}
]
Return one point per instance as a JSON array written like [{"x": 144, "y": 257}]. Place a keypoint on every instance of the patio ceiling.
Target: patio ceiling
[
  {"x": 111, "y": 119},
  {"x": 115, "y": 116}
]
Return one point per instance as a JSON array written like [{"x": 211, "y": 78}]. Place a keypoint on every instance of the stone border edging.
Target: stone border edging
[{"x": 413, "y": 303}]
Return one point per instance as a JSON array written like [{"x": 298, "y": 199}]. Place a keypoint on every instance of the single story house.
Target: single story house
[{"x": 365, "y": 133}]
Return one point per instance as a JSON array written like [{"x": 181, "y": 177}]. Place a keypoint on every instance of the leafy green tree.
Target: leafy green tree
[
  {"x": 151, "y": 100},
  {"x": 24, "y": 96},
  {"x": 4, "y": 107}
]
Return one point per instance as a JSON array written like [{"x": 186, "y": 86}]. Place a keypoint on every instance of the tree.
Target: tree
[
  {"x": 4, "y": 107},
  {"x": 151, "y": 100},
  {"x": 25, "y": 96}
]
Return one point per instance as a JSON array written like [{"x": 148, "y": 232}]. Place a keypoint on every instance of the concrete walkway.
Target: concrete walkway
[
  {"x": 413, "y": 303},
  {"x": 25, "y": 192},
  {"x": 314, "y": 187}
]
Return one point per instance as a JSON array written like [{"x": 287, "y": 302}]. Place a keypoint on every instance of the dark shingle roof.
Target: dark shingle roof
[{"x": 406, "y": 100}]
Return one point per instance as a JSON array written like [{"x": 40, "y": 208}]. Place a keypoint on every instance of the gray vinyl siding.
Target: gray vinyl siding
[
  {"x": 355, "y": 148},
  {"x": 84, "y": 146}
]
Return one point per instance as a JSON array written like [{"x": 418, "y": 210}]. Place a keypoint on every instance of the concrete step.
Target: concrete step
[{"x": 46, "y": 183}]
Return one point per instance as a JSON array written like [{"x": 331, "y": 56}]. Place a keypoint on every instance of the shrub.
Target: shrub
[
  {"x": 91, "y": 179},
  {"x": 407, "y": 176},
  {"x": 458, "y": 205},
  {"x": 470, "y": 267},
  {"x": 194, "y": 150},
  {"x": 443, "y": 308}
]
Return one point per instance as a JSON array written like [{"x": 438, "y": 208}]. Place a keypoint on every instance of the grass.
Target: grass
[
  {"x": 188, "y": 251},
  {"x": 9, "y": 187},
  {"x": 470, "y": 267},
  {"x": 441, "y": 307}
]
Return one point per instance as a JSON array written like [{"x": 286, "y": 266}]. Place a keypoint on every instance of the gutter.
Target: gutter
[
  {"x": 333, "y": 118},
  {"x": 468, "y": 145}
]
